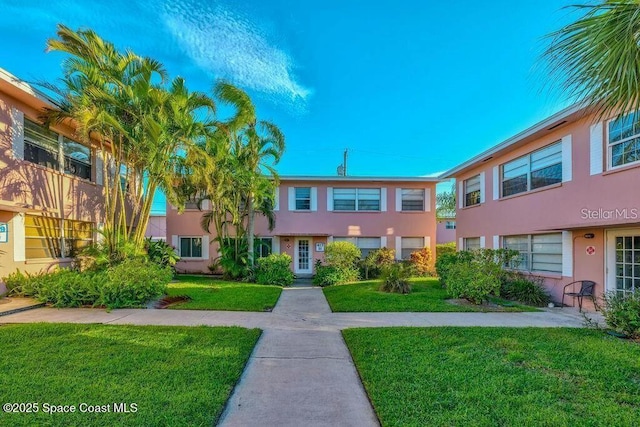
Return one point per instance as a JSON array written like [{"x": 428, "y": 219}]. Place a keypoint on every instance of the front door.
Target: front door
[
  {"x": 623, "y": 261},
  {"x": 303, "y": 256}
]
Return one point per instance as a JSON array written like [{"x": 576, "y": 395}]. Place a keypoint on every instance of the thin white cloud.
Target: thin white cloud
[{"x": 228, "y": 46}]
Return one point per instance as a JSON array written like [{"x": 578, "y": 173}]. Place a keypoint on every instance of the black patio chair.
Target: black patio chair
[{"x": 587, "y": 289}]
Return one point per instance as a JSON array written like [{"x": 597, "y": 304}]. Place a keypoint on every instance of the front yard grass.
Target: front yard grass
[
  {"x": 498, "y": 376},
  {"x": 207, "y": 293},
  {"x": 177, "y": 376},
  {"x": 426, "y": 295}
]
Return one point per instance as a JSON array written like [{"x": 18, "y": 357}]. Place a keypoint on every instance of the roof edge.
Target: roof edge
[
  {"x": 358, "y": 178},
  {"x": 532, "y": 130}
]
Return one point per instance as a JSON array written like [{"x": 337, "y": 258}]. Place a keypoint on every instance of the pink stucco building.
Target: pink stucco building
[
  {"x": 50, "y": 184},
  {"x": 565, "y": 194},
  {"x": 397, "y": 213},
  {"x": 446, "y": 230}
]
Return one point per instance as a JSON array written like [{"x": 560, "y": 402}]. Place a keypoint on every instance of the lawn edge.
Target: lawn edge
[{"x": 226, "y": 408}]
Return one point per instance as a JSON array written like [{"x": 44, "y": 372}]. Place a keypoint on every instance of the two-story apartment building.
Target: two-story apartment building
[
  {"x": 397, "y": 213},
  {"x": 565, "y": 194},
  {"x": 50, "y": 184}
]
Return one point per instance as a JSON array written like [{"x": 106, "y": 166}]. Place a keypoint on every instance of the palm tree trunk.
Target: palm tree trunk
[{"x": 250, "y": 230}]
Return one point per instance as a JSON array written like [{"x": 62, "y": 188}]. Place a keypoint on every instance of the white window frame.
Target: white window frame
[
  {"x": 402, "y": 199},
  {"x": 468, "y": 247},
  {"x": 465, "y": 190},
  {"x": 357, "y": 200},
  {"x": 296, "y": 198},
  {"x": 450, "y": 225},
  {"x": 357, "y": 241},
  {"x": 531, "y": 252},
  {"x": 191, "y": 248},
  {"x": 61, "y": 157},
  {"x": 528, "y": 163},
  {"x": 403, "y": 239},
  {"x": 619, "y": 142}
]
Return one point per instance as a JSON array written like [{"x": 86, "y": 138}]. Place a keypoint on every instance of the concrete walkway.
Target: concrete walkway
[
  {"x": 300, "y": 377},
  {"x": 301, "y": 372}
]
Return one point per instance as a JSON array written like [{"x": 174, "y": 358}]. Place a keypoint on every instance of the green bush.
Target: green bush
[
  {"x": 422, "y": 262},
  {"x": 342, "y": 255},
  {"x": 445, "y": 248},
  {"x": 444, "y": 264},
  {"x": 340, "y": 267},
  {"x": 161, "y": 253},
  {"x": 130, "y": 283},
  {"x": 525, "y": 289},
  {"x": 472, "y": 282},
  {"x": 274, "y": 270},
  {"x": 474, "y": 275},
  {"x": 623, "y": 313},
  {"x": 326, "y": 275},
  {"x": 371, "y": 267},
  {"x": 395, "y": 279}
]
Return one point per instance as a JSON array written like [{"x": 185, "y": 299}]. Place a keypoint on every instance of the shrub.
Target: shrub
[
  {"x": 130, "y": 283},
  {"x": 445, "y": 248},
  {"x": 274, "y": 270},
  {"x": 444, "y": 264},
  {"x": 19, "y": 283},
  {"x": 327, "y": 275},
  {"x": 161, "y": 253},
  {"x": 472, "y": 281},
  {"x": 395, "y": 279},
  {"x": 340, "y": 259},
  {"x": 422, "y": 262},
  {"x": 342, "y": 255},
  {"x": 623, "y": 313},
  {"x": 525, "y": 289},
  {"x": 474, "y": 275},
  {"x": 376, "y": 261}
]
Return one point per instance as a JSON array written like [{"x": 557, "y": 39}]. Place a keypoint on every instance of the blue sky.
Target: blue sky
[{"x": 410, "y": 87}]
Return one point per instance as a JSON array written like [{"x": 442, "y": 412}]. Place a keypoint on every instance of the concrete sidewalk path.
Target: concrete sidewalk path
[{"x": 300, "y": 377}]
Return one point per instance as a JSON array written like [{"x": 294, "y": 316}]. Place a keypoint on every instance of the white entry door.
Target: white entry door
[
  {"x": 302, "y": 261},
  {"x": 623, "y": 261}
]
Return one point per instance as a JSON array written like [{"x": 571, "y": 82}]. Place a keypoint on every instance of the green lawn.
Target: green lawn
[
  {"x": 426, "y": 295},
  {"x": 498, "y": 376},
  {"x": 177, "y": 376},
  {"x": 211, "y": 294}
]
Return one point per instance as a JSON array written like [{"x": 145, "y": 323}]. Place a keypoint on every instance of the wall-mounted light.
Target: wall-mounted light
[
  {"x": 589, "y": 236},
  {"x": 286, "y": 240}
]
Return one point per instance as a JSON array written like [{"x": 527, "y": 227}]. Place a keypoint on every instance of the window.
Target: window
[
  {"x": 44, "y": 237},
  {"x": 539, "y": 252},
  {"x": 471, "y": 243},
  {"x": 472, "y": 191},
  {"x": 356, "y": 199},
  {"x": 40, "y": 145},
  {"x": 191, "y": 247},
  {"x": 450, "y": 225},
  {"x": 412, "y": 199},
  {"x": 263, "y": 246},
  {"x": 303, "y": 198},
  {"x": 624, "y": 140},
  {"x": 43, "y": 147},
  {"x": 538, "y": 169},
  {"x": 410, "y": 245},
  {"x": 77, "y": 159},
  {"x": 365, "y": 244}
]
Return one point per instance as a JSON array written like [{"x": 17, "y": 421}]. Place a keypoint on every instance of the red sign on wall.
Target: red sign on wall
[{"x": 591, "y": 250}]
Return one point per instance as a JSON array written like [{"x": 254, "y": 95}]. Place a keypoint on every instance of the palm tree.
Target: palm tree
[
  {"x": 597, "y": 58},
  {"x": 149, "y": 133},
  {"x": 244, "y": 183}
]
